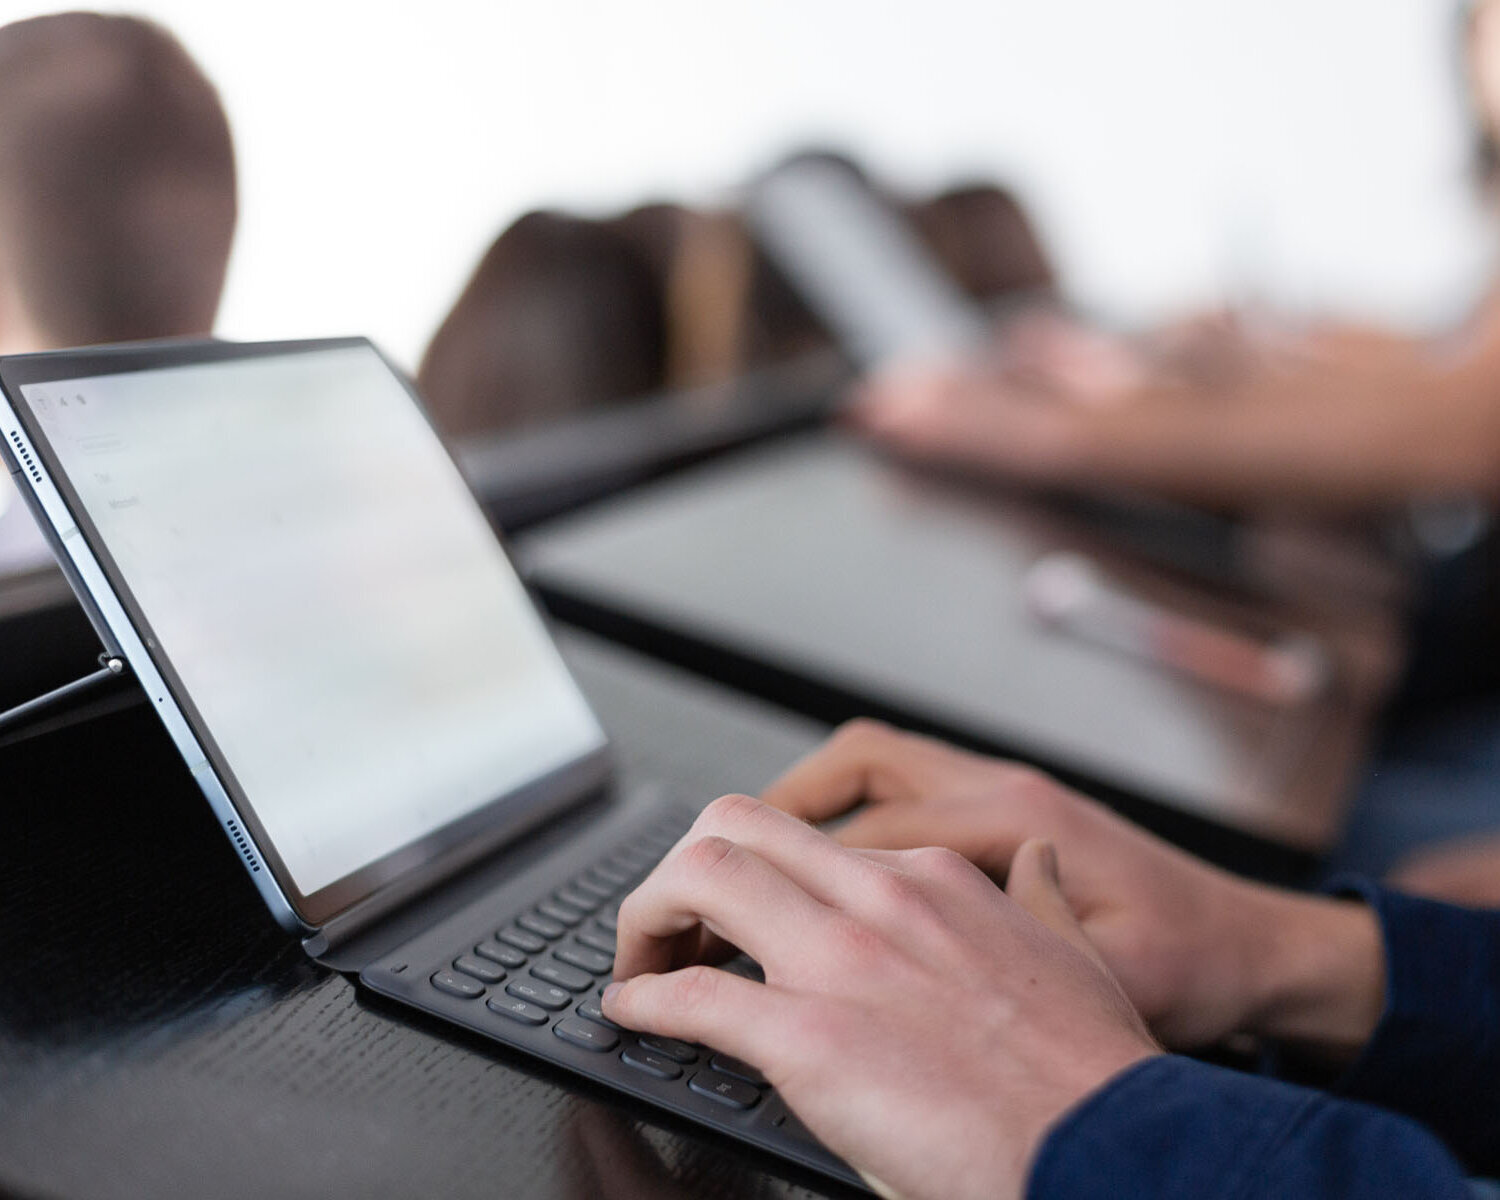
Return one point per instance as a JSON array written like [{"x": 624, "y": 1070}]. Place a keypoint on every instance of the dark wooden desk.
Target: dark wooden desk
[{"x": 159, "y": 1036}]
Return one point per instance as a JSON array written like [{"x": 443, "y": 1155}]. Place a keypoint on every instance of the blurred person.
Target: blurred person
[
  {"x": 562, "y": 314},
  {"x": 566, "y": 313},
  {"x": 950, "y": 1039},
  {"x": 1228, "y": 410},
  {"x": 1248, "y": 413},
  {"x": 983, "y": 236},
  {"x": 117, "y": 198},
  {"x": 117, "y": 184}
]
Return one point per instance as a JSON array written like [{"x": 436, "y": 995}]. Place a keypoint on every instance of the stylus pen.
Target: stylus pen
[{"x": 1070, "y": 592}]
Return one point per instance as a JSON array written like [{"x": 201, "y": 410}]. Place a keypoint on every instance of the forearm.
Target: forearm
[
  {"x": 1314, "y": 974},
  {"x": 1340, "y": 436}
]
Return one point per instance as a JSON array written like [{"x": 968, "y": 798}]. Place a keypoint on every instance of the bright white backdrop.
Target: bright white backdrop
[{"x": 1178, "y": 152}]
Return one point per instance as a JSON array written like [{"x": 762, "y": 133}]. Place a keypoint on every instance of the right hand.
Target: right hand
[
  {"x": 1200, "y": 952},
  {"x": 927, "y": 1027}
]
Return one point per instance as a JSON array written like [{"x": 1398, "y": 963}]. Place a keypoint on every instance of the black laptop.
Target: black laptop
[{"x": 276, "y": 541}]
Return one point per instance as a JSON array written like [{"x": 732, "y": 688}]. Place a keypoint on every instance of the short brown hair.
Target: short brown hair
[
  {"x": 562, "y": 314},
  {"x": 117, "y": 181}
]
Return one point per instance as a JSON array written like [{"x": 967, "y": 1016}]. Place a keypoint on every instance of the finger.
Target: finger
[
  {"x": 734, "y": 1015},
  {"x": 980, "y": 832},
  {"x": 951, "y": 885},
  {"x": 1004, "y": 426},
  {"x": 723, "y": 887},
  {"x": 808, "y": 857},
  {"x": 863, "y": 760},
  {"x": 905, "y": 383},
  {"x": 1036, "y": 886}
]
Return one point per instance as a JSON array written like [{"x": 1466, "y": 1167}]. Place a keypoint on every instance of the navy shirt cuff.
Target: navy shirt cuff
[
  {"x": 1173, "y": 1127},
  {"x": 1435, "y": 1055}
]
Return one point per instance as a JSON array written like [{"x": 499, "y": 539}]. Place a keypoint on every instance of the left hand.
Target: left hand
[
  {"x": 1201, "y": 953},
  {"x": 927, "y": 1026},
  {"x": 1344, "y": 421}
]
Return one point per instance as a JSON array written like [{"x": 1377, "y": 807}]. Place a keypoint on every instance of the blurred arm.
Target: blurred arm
[{"x": 1344, "y": 419}]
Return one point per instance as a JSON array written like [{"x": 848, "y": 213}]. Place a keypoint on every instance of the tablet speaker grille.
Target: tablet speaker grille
[
  {"x": 237, "y": 835},
  {"x": 25, "y": 456}
]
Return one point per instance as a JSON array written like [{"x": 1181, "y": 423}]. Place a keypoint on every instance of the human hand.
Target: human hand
[
  {"x": 926, "y": 1026},
  {"x": 1340, "y": 420},
  {"x": 1201, "y": 953}
]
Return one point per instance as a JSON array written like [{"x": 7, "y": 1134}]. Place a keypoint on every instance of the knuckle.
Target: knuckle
[
  {"x": 628, "y": 907},
  {"x": 1031, "y": 787},
  {"x": 708, "y": 855},
  {"x": 863, "y": 731},
  {"x": 897, "y": 892},
  {"x": 727, "y": 811},
  {"x": 941, "y": 864},
  {"x": 694, "y": 990}
]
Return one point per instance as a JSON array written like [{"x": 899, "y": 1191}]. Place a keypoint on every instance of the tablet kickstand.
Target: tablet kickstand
[{"x": 111, "y": 668}]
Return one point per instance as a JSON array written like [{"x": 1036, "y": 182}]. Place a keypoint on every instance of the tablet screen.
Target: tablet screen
[{"x": 309, "y": 561}]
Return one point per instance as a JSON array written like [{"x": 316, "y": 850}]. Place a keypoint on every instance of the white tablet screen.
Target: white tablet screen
[{"x": 330, "y": 595}]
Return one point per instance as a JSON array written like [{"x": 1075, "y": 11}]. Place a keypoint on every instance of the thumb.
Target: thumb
[{"x": 1034, "y": 884}]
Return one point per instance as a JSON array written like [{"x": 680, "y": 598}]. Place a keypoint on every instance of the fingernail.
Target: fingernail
[
  {"x": 611, "y": 991},
  {"x": 1049, "y": 862}
]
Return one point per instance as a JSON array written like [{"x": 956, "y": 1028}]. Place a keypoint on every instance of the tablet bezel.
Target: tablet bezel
[{"x": 392, "y": 876}]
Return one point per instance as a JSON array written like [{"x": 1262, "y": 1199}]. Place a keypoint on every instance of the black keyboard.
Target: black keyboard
[
  {"x": 533, "y": 978},
  {"x": 549, "y": 965}
]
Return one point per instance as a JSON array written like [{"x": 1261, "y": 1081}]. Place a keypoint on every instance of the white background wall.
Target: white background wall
[{"x": 1178, "y": 152}]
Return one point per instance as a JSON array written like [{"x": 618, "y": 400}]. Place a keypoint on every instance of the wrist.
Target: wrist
[{"x": 1316, "y": 973}]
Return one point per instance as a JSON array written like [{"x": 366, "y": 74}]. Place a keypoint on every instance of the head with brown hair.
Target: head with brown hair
[
  {"x": 117, "y": 184},
  {"x": 983, "y": 236},
  {"x": 561, "y": 314}
]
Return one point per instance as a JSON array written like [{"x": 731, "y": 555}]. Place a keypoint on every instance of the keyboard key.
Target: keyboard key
[
  {"x": 590, "y": 1011},
  {"x": 578, "y": 898},
  {"x": 457, "y": 985},
  {"x": 609, "y": 918},
  {"x": 725, "y": 1089},
  {"x": 611, "y": 875},
  {"x": 597, "y": 888},
  {"x": 585, "y": 959},
  {"x": 563, "y": 976},
  {"x": 480, "y": 968},
  {"x": 522, "y": 940},
  {"x": 504, "y": 955},
  {"x": 683, "y": 1052},
  {"x": 549, "y": 997},
  {"x": 545, "y": 926},
  {"x": 738, "y": 1068},
  {"x": 518, "y": 1010},
  {"x": 634, "y": 861},
  {"x": 597, "y": 939},
  {"x": 586, "y": 1034},
  {"x": 650, "y": 1062},
  {"x": 564, "y": 914}
]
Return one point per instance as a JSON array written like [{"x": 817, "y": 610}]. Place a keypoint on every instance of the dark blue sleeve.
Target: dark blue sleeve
[
  {"x": 1175, "y": 1129},
  {"x": 1435, "y": 1055}
]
